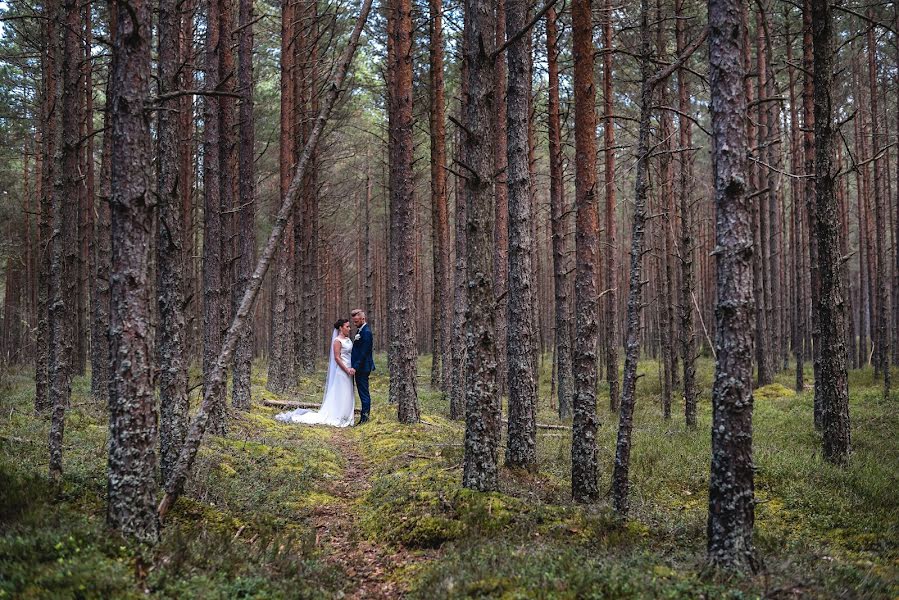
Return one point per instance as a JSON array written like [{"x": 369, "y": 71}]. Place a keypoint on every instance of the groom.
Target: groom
[{"x": 362, "y": 361}]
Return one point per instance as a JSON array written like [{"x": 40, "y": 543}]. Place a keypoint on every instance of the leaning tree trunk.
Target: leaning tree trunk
[
  {"x": 611, "y": 342},
  {"x": 731, "y": 501},
  {"x": 482, "y": 405},
  {"x": 521, "y": 450},
  {"x": 173, "y": 401},
  {"x": 132, "y": 407},
  {"x": 246, "y": 228},
  {"x": 834, "y": 385},
  {"x": 560, "y": 221},
  {"x": 584, "y": 484},
  {"x": 402, "y": 219}
]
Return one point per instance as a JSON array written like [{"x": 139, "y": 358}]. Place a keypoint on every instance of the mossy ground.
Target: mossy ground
[{"x": 246, "y": 525}]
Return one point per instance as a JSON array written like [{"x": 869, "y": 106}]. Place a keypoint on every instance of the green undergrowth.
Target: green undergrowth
[{"x": 243, "y": 528}]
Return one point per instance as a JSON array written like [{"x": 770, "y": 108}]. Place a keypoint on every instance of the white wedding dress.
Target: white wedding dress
[{"x": 339, "y": 399}]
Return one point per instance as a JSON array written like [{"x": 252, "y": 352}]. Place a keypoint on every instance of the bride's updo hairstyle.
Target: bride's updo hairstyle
[{"x": 340, "y": 323}]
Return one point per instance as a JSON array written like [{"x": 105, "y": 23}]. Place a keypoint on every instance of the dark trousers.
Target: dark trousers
[{"x": 362, "y": 388}]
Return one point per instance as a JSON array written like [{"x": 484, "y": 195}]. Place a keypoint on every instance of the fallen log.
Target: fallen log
[
  {"x": 546, "y": 426},
  {"x": 296, "y": 404}
]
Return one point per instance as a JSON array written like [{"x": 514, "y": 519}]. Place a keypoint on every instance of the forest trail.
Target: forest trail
[{"x": 370, "y": 567}]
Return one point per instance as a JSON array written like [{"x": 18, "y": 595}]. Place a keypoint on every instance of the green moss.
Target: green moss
[{"x": 773, "y": 391}]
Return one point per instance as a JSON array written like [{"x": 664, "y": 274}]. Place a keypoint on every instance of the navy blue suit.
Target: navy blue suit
[{"x": 363, "y": 361}]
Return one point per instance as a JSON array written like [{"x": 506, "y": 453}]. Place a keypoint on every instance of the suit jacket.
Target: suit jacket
[{"x": 362, "y": 358}]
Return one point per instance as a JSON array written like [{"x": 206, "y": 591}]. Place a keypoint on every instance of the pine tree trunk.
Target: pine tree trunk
[
  {"x": 584, "y": 484},
  {"x": 501, "y": 232},
  {"x": 731, "y": 501},
  {"x": 240, "y": 394},
  {"x": 48, "y": 149},
  {"x": 611, "y": 305},
  {"x": 228, "y": 179},
  {"x": 620, "y": 475},
  {"x": 212, "y": 213},
  {"x": 796, "y": 190},
  {"x": 87, "y": 189},
  {"x": 880, "y": 216},
  {"x": 666, "y": 296},
  {"x": 460, "y": 276},
  {"x": 278, "y": 359},
  {"x": 173, "y": 401},
  {"x": 100, "y": 349},
  {"x": 307, "y": 216},
  {"x": 560, "y": 223},
  {"x": 402, "y": 219},
  {"x": 442, "y": 296},
  {"x": 482, "y": 405},
  {"x": 132, "y": 422},
  {"x": 685, "y": 140},
  {"x": 521, "y": 450},
  {"x": 834, "y": 387},
  {"x": 808, "y": 151},
  {"x": 64, "y": 242}
]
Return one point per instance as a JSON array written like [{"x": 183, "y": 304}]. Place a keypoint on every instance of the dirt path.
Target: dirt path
[{"x": 368, "y": 565}]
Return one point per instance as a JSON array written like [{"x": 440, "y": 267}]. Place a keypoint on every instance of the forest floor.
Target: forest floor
[{"x": 280, "y": 511}]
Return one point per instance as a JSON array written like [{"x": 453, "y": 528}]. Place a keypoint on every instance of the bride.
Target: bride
[{"x": 339, "y": 400}]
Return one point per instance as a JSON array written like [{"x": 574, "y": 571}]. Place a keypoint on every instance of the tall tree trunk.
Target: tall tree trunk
[
  {"x": 611, "y": 306},
  {"x": 521, "y": 450},
  {"x": 49, "y": 56},
  {"x": 501, "y": 189},
  {"x": 834, "y": 386},
  {"x": 808, "y": 151},
  {"x": 460, "y": 280},
  {"x": 685, "y": 140},
  {"x": 87, "y": 192},
  {"x": 560, "y": 221},
  {"x": 64, "y": 243},
  {"x": 100, "y": 349},
  {"x": 796, "y": 190},
  {"x": 442, "y": 304},
  {"x": 306, "y": 219},
  {"x": 731, "y": 501},
  {"x": 584, "y": 484},
  {"x": 402, "y": 219},
  {"x": 278, "y": 359},
  {"x": 666, "y": 199},
  {"x": 228, "y": 176},
  {"x": 880, "y": 216},
  {"x": 482, "y": 405},
  {"x": 212, "y": 213},
  {"x": 173, "y": 401},
  {"x": 620, "y": 477},
  {"x": 132, "y": 407},
  {"x": 240, "y": 394}
]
